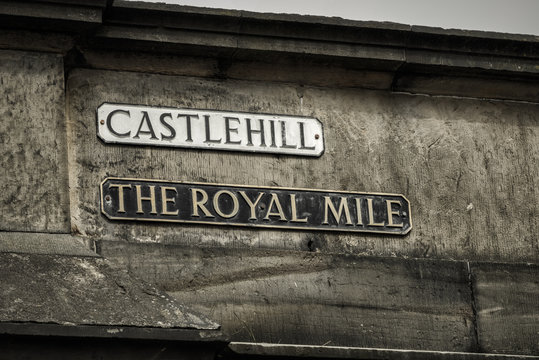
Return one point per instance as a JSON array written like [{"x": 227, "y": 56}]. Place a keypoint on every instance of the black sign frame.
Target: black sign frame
[{"x": 302, "y": 209}]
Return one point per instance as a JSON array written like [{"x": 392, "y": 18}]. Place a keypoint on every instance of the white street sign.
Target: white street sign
[{"x": 209, "y": 129}]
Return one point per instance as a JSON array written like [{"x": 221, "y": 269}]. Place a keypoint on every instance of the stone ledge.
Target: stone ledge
[
  {"x": 75, "y": 16},
  {"x": 75, "y": 290},
  {"x": 45, "y": 243},
  {"x": 52, "y": 341},
  {"x": 112, "y": 332},
  {"x": 240, "y": 350},
  {"x": 320, "y": 29},
  {"x": 414, "y": 58}
]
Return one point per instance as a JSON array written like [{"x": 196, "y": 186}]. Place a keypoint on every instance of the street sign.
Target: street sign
[
  {"x": 209, "y": 129},
  {"x": 250, "y": 206}
]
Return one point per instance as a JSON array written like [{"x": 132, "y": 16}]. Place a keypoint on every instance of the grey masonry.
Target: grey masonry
[{"x": 447, "y": 118}]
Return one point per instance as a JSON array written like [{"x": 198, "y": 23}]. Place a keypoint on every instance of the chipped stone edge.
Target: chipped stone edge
[{"x": 46, "y": 244}]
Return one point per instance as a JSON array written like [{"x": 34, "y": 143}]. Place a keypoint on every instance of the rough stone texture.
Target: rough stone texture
[
  {"x": 232, "y": 45},
  {"x": 35, "y": 41},
  {"x": 468, "y": 87},
  {"x": 44, "y": 243},
  {"x": 309, "y": 298},
  {"x": 310, "y": 74},
  {"x": 48, "y": 10},
  {"x": 507, "y": 305},
  {"x": 33, "y": 152},
  {"x": 152, "y": 63},
  {"x": 84, "y": 291},
  {"x": 322, "y": 29},
  {"x": 366, "y": 74},
  {"x": 238, "y": 350},
  {"x": 305, "y": 73},
  {"x": 494, "y": 65},
  {"x": 74, "y": 15},
  {"x": 467, "y": 166}
]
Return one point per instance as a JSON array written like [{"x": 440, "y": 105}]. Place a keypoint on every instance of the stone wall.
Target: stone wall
[
  {"x": 440, "y": 130},
  {"x": 466, "y": 165}
]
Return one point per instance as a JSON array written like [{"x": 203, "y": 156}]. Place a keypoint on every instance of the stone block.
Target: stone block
[
  {"x": 507, "y": 305},
  {"x": 33, "y": 159}
]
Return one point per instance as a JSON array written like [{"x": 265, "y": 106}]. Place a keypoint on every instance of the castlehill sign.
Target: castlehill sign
[
  {"x": 209, "y": 129},
  {"x": 249, "y": 206}
]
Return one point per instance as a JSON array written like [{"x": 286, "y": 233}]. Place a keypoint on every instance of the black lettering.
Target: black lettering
[
  {"x": 168, "y": 126},
  {"x": 228, "y": 130},
  {"x": 250, "y": 132},
  {"x": 109, "y": 123},
  {"x": 272, "y": 132},
  {"x": 302, "y": 138},
  {"x": 283, "y": 134},
  {"x": 208, "y": 135},
  {"x": 145, "y": 118},
  {"x": 188, "y": 118}
]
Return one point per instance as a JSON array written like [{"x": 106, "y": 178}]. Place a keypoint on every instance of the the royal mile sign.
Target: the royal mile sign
[
  {"x": 208, "y": 129},
  {"x": 249, "y": 206}
]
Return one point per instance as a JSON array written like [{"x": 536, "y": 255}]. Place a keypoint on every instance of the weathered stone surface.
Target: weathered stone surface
[
  {"x": 398, "y": 49},
  {"x": 35, "y": 41},
  {"x": 367, "y": 73},
  {"x": 507, "y": 304},
  {"x": 305, "y": 73},
  {"x": 467, "y": 166},
  {"x": 71, "y": 16},
  {"x": 318, "y": 28},
  {"x": 464, "y": 62},
  {"x": 311, "y": 298},
  {"x": 152, "y": 63},
  {"x": 322, "y": 29},
  {"x": 239, "y": 350},
  {"x": 33, "y": 153},
  {"x": 84, "y": 291},
  {"x": 310, "y": 74},
  {"x": 44, "y": 243},
  {"x": 466, "y": 86}
]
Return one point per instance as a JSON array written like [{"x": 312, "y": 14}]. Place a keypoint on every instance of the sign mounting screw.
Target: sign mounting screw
[{"x": 102, "y": 122}]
